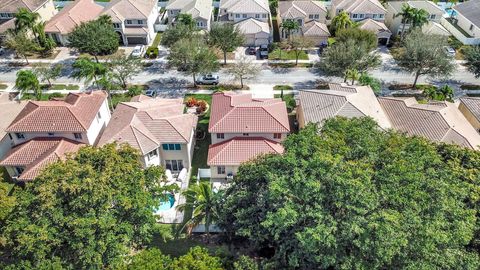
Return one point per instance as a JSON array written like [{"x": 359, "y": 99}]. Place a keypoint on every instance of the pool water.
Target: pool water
[{"x": 166, "y": 205}]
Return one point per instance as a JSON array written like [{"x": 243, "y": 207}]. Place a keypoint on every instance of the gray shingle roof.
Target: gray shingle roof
[{"x": 470, "y": 10}]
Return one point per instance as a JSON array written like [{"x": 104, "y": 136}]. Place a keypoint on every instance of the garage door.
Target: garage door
[
  {"x": 249, "y": 41},
  {"x": 261, "y": 41},
  {"x": 137, "y": 40}
]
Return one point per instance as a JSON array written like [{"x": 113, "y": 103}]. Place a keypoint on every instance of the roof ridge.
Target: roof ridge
[
  {"x": 168, "y": 121},
  {"x": 74, "y": 116},
  {"x": 263, "y": 107},
  {"x": 459, "y": 134}
]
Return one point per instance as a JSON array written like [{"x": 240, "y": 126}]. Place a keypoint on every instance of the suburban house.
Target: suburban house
[
  {"x": 316, "y": 106},
  {"x": 370, "y": 14},
  {"x": 72, "y": 15},
  {"x": 242, "y": 128},
  {"x": 201, "y": 11},
  {"x": 133, "y": 20},
  {"x": 470, "y": 107},
  {"x": 394, "y": 22},
  {"x": 158, "y": 128},
  {"x": 45, "y": 9},
  {"x": 45, "y": 131},
  {"x": 10, "y": 110},
  {"x": 439, "y": 122},
  {"x": 466, "y": 22},
  {"x": 359, "y": 9},
  {"x": 252, "y": 17},
  {"x": 310, "y": 16}
]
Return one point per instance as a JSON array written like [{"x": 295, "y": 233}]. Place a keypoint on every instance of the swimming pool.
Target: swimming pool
[{"x": 166, "y": 205}]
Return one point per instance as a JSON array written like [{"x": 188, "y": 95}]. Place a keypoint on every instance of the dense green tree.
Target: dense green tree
[
  {"x": 199, "y": 259},
  {"x": 187, "y": 20},
  {"x": 124, "y": 68},
  {"x": 95, "y": 37},
  {"x": 348, "y": 55},
  {"x": 204, "y": 202},
  {"x": 352, "y": 74},
  {"x": 86, "y": 69},
  {"x": 87, "y": 212},
  {"x": 341, "y": 21},
  {"x": 374, "y": 83},
  {"x": 150, "y": 259},
  {"x": 25, "y": 20},
  {"x": 245, "y": 263},
  {"x": 443, "y": 93},
  {"x": 299, "y": 44},
  {"x": 173, "y": 34},
  {"x": 225, "y": 37},
  {"x": 243, "y": 68},
  {"x": 406, "y": 14},
  {"x": 366, "y": 37},
  {"x": 21, "y": 44},
  {"x": 419, "y": 17},
  {"x": 46, "y": 43},
  {"x": 352, "y": 196},
  {"x": 193, "y": 57},
  {"x": 47, "y": 73},
  {"x": 424, "y": 54},
  {"x": 288, "y": 26},
  {"x": 27, "y": 81},
  {"x": 472, "y": 58}
]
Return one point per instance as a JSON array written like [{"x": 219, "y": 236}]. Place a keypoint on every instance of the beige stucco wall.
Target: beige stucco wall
[
  {"x": 470, "y": 117},
  {"x": 228, "y": 169},
  {"x": 47, "y": 11},
  {"x": 300, "y": 116}
]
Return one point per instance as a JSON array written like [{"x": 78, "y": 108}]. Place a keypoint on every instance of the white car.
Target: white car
[
  {"x": 208, "y": 79},
  {"x": 450, "y": 51},
  {"x": 138, "y": 51}
]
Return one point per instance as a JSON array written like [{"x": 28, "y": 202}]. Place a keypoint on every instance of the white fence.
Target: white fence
[
  {"x": 459, "y": 35},
  {"x": 204, "y": 173}
]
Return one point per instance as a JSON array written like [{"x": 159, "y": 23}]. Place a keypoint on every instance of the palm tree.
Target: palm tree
[
  {"x": 406, "y": 14},
  {"x": 289, "y": 26},
  {"x": 342, "y": 21},
  {"x": 203, "y": 201},
  {"x": 24, "y": 19},
  {"x": 88, "y": 70},
  {"x": 352, "y": 74},
  {"x": 27, "y": 80},
  {"x": 419, "y": 17}
]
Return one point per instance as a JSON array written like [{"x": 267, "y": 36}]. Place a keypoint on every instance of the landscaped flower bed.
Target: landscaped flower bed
[{"x": 199, "y": 106}]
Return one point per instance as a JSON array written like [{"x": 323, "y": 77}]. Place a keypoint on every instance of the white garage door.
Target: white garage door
[{"x": 261, "y": 41}]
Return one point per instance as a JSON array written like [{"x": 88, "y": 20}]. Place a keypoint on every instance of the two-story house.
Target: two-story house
[
  {"x": 45, "y": 9},
  {"x": 310, "y": 17},
  {"x": 251, "y": 17},
  {"x": 201, "y": 11},
  {"x": 394, "y": 21},
  {"x": 45, "y": 131},
  {"x": 133, "y": 20},
  {"x": 71, "y": 16},
  {"x": 242, "y": 128},
  {"x": 158, "y": 128},
  {"x": 466, "y": 16}
]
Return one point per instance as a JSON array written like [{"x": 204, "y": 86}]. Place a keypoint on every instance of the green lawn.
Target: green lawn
[
  {"x": 179, "y": 247},
  {"x": 60, "y": 87},
  {"x": 157, "y": 40},
  {"x": 278, "y": 54},
  {"x": 44, "y": 97}
]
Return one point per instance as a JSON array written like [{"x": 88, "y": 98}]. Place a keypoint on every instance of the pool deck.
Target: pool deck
[{"x": 172, "y": 216}]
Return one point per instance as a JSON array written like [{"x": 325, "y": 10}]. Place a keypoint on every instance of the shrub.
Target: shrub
[
  {"x": 191, "y": 101},
  {"x": 55, "y": 95},
  {"x": 374, "y": 83},
  {"x": 470, "y": 87},
  {"x": 134, "y": 90},
  {"x": 152, "y": 52},
  {"x": 202, "y": 106},
  {"x": 282, "y": 87}
]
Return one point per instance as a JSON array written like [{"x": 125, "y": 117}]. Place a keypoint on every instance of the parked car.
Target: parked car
[
  {"x": 450, "y": 51},
  {"x": 208, "y": 79},
  {"x": 263, "y": 51},
  {"x": 2, "y": 51},
  {"x": 138, "y": 51},
  {"x": 151, "y": 93},
  {"x": 251, "y": 51}
]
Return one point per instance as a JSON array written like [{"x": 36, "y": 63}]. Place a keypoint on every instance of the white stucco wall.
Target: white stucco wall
[
  {"x": 465, "y": 24},
  {"x": 229, "y": 136},
  {"x": 98, "y": 125}
]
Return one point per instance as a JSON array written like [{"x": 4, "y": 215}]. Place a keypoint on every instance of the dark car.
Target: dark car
[
  {"x": 251, "y": 51},
  {"x": 264, "y": 51}
]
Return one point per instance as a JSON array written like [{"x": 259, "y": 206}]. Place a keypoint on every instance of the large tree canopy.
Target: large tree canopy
[
  {"x": 356, "y": 197},
  {"x": 86, "y": 212}
]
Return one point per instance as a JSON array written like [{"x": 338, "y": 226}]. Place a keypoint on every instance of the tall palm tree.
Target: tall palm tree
[
  {"x": 203, "y": 201},
  {"x": 24, "y": 19},
  {"x": 419, "y": 17},
  {"x": 27, "y": 80},
  {"x": 88, "y": 70},
  {"x": 406, "y": 14},
  {"x": 342, "y": 21},
  {"x": 289, "y": 26},
  {"x": 352, "y": 74}
]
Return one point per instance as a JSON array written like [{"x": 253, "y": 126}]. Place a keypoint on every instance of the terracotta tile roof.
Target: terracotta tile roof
[
  {"x": 9, "y": 110},
  {"x": 341, "y": 100},
  {"x": 120, "y": 10},
  {"x": 315, "y": 29},
  {"x": 146, "y": 123},
  {"x": 12, "y": 6},
  {"x": 252, "y": 26},
  {"x": 441, "y": 122},
  {"x": 74, "y": 114},
  {"x": 300, "y": 9},
  {"x": 473, "y": 105},
  {"x": 240, "y": 149},
  {"x": 73, "y": 15},
  {"x": 240, "y": 113},
  {"x": 36, "y": 154},
  {"x": 360, "y": 6}
]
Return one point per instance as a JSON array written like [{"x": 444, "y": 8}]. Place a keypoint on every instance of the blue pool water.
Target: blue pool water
[
  {"x": 166, "y": 205},
  {"x": 450, "y": 12}
]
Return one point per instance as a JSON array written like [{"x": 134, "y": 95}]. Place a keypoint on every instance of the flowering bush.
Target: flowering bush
[
  {"x": 191, "y": 102},
  {"x": 201, "y": 106}
]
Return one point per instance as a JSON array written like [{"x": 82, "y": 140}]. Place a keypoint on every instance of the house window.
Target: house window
[
  {"x": 361, "y": 16},
  {"x": 237, "y": 15},
  {"x": 220, "y": 136},
  {"x": 171, "y": 11},
  {"x": 129, "y": 21},
  {"x": 264, "y": 16},
  {"x": 6, "y": 15},
  {"x": 220, "y": 169},
  {"x": 381, "y": 16},
  {"x": 19, "y": 170},
  {"x": 317, "y": 16},
  {"x": 199, "y": 23},
  {"x": 171, "y": 146},
  {"x": 99, "y": 115},
  {"x": 257, "y": 16},
  {"x": 246, "y": 134},
  {"x": 140, "y": 21},
  {"x": 116, "y": 25},
  {"x": 51, "y": 134},
  {"x": 20, "y": 136},
  {"x": 78, "y": 136},
  {"x": 277, "y": 135},
  {"x": 355, "y": 16},
  {"x": 152, "y": 154},
  {"x": 10, "y": 136},
  {"x": 174, "y": 165},
  {"x": 432, "y": 16},
  {"x": 244, "y": 16},
  {"x": 310, "y": 16},
  {"x": 375, "y": 16},
  {"x": 471, "y": 27}
]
